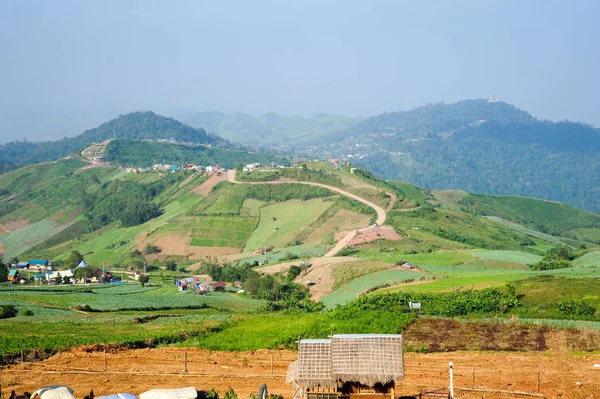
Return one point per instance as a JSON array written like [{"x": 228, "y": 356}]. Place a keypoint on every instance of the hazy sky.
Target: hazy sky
[{"x": 69, "y": 65}]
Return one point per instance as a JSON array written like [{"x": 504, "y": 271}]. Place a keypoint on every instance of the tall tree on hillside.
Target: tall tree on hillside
[
  {"x": 3, "y": 271},
  {"x": 75, "y": 258}
]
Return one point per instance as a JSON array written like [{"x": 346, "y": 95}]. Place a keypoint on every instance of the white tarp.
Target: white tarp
[
  {"x": 119, "y": 396},
  {"x": 179, "y": 393},
  {"x": 54, "y": 392}
]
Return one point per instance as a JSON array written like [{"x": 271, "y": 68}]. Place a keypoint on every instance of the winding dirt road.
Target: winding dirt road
[{"x": 381, "y": 215}]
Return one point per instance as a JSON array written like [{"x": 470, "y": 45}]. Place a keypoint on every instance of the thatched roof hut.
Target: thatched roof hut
[
  {"x": 365, "y": 359},
  {"x": 314, "y": 363},
  {"x": 368, "y": 359}
]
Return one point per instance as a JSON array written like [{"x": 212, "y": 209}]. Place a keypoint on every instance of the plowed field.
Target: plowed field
[{"x": 561, "y": 375}]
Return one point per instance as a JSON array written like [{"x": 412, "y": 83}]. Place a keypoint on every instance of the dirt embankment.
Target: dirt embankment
[{"x": 561, "y": 375}]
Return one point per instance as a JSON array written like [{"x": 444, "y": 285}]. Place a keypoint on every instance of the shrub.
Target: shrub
[{"x": 8, "y": 311}]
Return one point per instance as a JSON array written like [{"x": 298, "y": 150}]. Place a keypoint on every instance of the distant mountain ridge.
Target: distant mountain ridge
[
  {"x": 478, "y": 146},
  {"x": 134, "y": 126},
  {"x": 271, "y": 128}
]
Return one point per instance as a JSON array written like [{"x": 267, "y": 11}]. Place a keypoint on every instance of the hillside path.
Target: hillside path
[{"x": 381, "y": 215}]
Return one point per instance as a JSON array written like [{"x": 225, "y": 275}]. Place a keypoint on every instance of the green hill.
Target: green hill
[{"x": 133, "y": 126}]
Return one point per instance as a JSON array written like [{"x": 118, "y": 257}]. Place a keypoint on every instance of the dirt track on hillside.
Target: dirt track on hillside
[
  {"x": 136, "y": 371},
  {"x": 204, "y": 188}
]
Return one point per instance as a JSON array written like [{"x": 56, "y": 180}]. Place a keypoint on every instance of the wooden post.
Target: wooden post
[
  {"x": 538, "y": 383},
  {"x": 22, "y": 355},
  {"x": 105, "y": 362},
  {"x": 185, "y": 370},
  {"x": 473, "y": 379},
  {"x": 271, "y": 363}
]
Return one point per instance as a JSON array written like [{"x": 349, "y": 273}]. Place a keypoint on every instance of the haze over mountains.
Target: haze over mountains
[{"x": 481, "y": 146}]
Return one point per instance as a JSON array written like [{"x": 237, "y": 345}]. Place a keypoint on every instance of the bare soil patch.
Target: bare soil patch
[
  {"x": 7, "y": 227},
  {"x": 365, "y": 236},
  {"x": 204, "y": 188},
  {"x": 562, "y": 375}
]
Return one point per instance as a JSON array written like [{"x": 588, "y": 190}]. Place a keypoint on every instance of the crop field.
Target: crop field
[
  {"x": 228, "y": 201},
  {"x": 251, "y": 208},
  {"x": 112, "y": 243},
  {"x": 18, "y": 241},
  {"x": 589, "y": 259},
  {"x": 435, "y": 258},
  {"x": 523, "y": 258},
  {"x": 523, "y": 229},
  {"x": 222, "y": 231},
  {"x": 281, "y": 222},
  {"x": 351, "y": 291},
  {"x": 167, "y": 297}
]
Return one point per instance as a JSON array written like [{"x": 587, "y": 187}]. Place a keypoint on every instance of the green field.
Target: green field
[
  {"x": 228, "y": 201},
  {"x": 18, "y": 241},
  {"x": 222, "y": 231},
  {"x": 47, "y": 319},
  {"x": 352, "y": 290},
  {"x": 523, "y": 258},
  {"x": 589, "y": 259},
  {"x": 279, "y": 223}
]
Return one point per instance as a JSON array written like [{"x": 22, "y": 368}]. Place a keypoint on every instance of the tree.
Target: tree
[
  {"x": 239, "y": 167},
  {"x": 293, "y": 272},
  {"x": 171, "y": 265},
  {"x": 13, "y": 261},
  {"x": 75, "y": 259},
  {"x": 58, "y": 279},
  {"x": 3, "y": 273},
  {"x": 143, "y": 279},
  {"x": 66, "y": 280},
  {"x": 85, "y": 272}
]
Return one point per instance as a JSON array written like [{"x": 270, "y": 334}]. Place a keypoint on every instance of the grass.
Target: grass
[
  {"x": 18, "y": 241},
  {"x": 346, "y": 272},
  {"x": 434, "y": 258},
  {"x": 589, "y": 259},
  {"x": 251, "y": 208},
  {"x": 523, "y": 258},
  {"x": 279, "y": 223},
  {"x": 523, "y": 229},
  {"x": 229, "y": 200}
]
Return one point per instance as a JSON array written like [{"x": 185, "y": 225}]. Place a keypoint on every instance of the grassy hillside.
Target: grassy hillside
[{"x": 552, "y": 218}]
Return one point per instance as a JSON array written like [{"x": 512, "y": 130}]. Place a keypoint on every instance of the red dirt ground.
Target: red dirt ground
[
  {"x": 204, "y": 188},
  {"x": 562, "y": 375},
  {"x": 370, "y": 235}
]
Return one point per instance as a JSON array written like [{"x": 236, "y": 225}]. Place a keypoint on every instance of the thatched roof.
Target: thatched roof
[
  {"x": 364, "y": 358},
  {"x": 314, "y": 363},
  {"x": 367, "y": 358}
]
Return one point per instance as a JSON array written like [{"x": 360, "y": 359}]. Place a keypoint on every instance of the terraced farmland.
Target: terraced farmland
[{"x": 222, "y": 231}]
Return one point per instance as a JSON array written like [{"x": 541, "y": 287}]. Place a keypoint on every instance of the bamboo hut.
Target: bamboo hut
[{"x": 358, "y": 366}]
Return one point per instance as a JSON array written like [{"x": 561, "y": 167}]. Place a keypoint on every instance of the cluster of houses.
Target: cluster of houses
[
  {"x": 200, "y": 285},
  {"x": 210, "y": 169},
  {"x": 47, "y": 275}
]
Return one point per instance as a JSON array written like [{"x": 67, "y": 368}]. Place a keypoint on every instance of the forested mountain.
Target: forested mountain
[
  {"x": 133, "y": 126},
  {"x": 272, "y": 128},
  {"x": 479, "y": 146}
]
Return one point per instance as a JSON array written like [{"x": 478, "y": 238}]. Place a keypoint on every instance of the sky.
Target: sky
[{"x": 66, "y": 66}]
